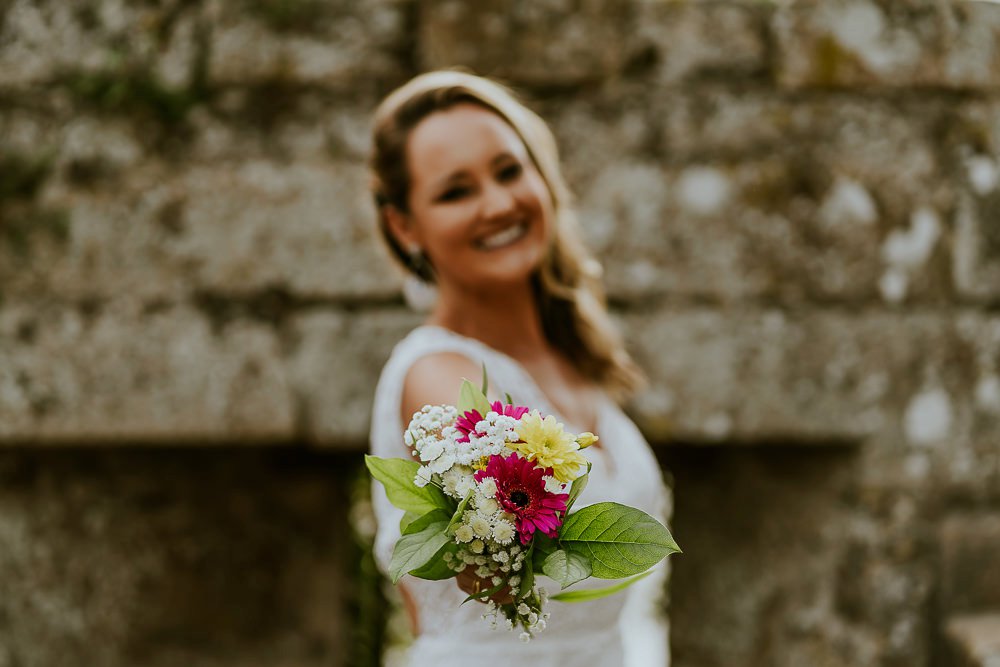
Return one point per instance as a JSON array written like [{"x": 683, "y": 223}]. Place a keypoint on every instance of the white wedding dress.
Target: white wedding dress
[{"x": 628, "y": 629}]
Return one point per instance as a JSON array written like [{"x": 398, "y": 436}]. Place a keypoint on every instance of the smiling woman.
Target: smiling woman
[{"x": 470, "y": 197}]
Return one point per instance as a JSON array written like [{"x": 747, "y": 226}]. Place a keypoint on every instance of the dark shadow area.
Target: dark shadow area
[
  {"x": 761, "y": 528},
  {"x": 166, "y": 556}
]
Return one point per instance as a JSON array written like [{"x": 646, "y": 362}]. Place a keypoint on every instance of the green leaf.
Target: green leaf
[
  {"x": 543, "y": 545},
  {"x": 566, "y": 567},
  {"x": 486, "y": 382},
  {"x": 408, "y": 518},
  {"x": 510, "y": 401},
  {"x": 436, "y": 569},
  {"x": 618, "y": 541},
  {"x": 417, "y": 549},
  {"x": 470, "y": 398},
  {"x": 422, "y": 522},
  {"x": 597, "y": 593},
  {"x": 527, "y": 573},
  {"x": 456, "y": 518},
  {"x": 577, "y": 487},
  {"x": 397, "y": 477}
]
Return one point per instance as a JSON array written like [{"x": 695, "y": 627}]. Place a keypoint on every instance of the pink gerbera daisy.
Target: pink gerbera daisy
[
  {"x": 466, "y": 422},
  {"x": 521, "y": 492}
]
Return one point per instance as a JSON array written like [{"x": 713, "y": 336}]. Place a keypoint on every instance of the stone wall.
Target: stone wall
[{"x": 796, "y": 204}]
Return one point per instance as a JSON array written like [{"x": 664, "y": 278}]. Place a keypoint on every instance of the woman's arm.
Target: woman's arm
[{"x": 436, "y": 379}]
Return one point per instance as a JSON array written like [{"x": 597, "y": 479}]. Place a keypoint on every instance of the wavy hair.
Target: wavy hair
[{"x": 568, "y": 288}]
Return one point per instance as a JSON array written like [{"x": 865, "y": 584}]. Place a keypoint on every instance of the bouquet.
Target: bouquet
[{"x": 493, "y": 493}]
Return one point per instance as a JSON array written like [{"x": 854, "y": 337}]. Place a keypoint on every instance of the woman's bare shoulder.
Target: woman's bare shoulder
[{"x": 435, "y": 379}]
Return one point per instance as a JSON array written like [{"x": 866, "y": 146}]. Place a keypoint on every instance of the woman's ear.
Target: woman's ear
[{"x": 401, "y": 227}]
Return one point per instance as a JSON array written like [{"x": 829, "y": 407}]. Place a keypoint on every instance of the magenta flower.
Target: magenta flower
[
  {"x": 521, "y": 492},
  {"x": 466, "y": 423}
]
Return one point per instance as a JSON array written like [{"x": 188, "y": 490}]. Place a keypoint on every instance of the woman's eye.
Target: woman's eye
[
  {"x": 511, "y": 172},
  {"x": 454, "y": 193}
]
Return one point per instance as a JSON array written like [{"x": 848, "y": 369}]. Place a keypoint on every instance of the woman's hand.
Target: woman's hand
[{"x": 473, "y": 585}]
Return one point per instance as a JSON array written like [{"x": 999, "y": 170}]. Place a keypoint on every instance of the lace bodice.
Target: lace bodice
[{"x": 625, "y": 629}]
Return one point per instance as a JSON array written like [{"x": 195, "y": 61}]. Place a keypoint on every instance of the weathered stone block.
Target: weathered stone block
[
  {"x": 974, "y": 640},
  {"x": 803, "y": 377},
  {"x": 863, "y": 43},
  {"x": 527, "y": 42},
  {"x": 829, "y": 199},
  {"x": 339, "y": 44},
  {"x": 975, "y": 139},
  {"x": 335, "y": 362},
  {"x": 970, "y": 569},
  {"x": 307, "y": 228},
  {"x": 208, "y": 558},
  {"x": 40, "y": 41},
  {"x": 127, "y": 371},
  {"x": 702, "y": 40}
]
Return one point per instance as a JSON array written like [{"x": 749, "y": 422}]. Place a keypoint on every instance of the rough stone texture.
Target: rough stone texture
[
  {"x": 752, "y": 194},
  {"x": 121, "y": 372},
  {"x": 335, "y": 363},
  {"x": 976, "y": 140},
  {"x": 795, "y": 204},
  {"x": 317, "y": 43},
  {"x": 304, "y": 227},
  {"x": 179, "y": 556},
  {"x": 680, "y": 41},
  {"x": 864, "y": 42},
  {"x": 513, "y": 42},
  {"x": 759, "y": 591},
  {"x": 772, "y": 375},
  {"x": 970, "y": 567},
  {"x": 975, "y": 640}
]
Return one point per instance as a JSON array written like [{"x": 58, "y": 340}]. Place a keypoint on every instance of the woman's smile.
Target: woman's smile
[{"x": 503, "y": 238}]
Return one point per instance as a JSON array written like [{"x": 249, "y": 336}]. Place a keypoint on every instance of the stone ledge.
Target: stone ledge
[
  {"x": 131, "y": 374},
  {"x": 855, "y": 43},
  {"x": 227, "y": 227},
  {"x": 970, "y": 566},
  {"x": 812, "y": 376},
  {"x": 121, "y": 371},
  {"x": 974, "y": 640}
]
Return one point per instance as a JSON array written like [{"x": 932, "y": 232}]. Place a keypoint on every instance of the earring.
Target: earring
[{"x": 420, "y": 293}]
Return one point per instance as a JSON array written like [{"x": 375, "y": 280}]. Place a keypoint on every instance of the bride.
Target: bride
[{"x": 471, "y": 200}]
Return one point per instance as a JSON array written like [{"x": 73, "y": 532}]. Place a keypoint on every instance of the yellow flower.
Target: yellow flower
[
  {"x": 545, "y": 442},
  {"x": 586, "y": 439}
]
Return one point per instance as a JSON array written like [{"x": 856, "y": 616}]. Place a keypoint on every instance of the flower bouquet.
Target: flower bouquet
[{"x": 493, "y": 493}]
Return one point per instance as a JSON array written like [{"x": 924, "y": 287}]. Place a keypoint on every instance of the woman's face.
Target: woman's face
[{"x": 479, "y": 208}]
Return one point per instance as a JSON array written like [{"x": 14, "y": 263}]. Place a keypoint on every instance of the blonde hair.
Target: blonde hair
[{"x": 568, "y": 286}]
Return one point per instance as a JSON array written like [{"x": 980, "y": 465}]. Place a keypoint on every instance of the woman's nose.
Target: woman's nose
[{"x": 498, "y": 201}]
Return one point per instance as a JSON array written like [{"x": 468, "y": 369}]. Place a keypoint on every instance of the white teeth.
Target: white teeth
[{"x": 503, "y": 238}]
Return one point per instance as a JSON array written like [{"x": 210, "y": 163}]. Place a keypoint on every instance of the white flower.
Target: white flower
[
  {"x": 464, "y": 485},
  {"x": 480, "y": 526},
  {"x": 522, "y": 609},
  {"x": 423, "y": 476},
  {"x": 524, "y": 637},
  {"x": 489, "y": 507},
  {"x": 442, "y": 463},
  {"x": 464, "y": 533},
  {"x": 488, "y": 487},
  {"x": 477, "y": 546},
  {"x": 432, "y": 450},
  {"x": 552, "y": 485},
  {"x": 514, "y": 581},
  {"x": 497, "y": 580},
  {"x": 503, "y": 533}
]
